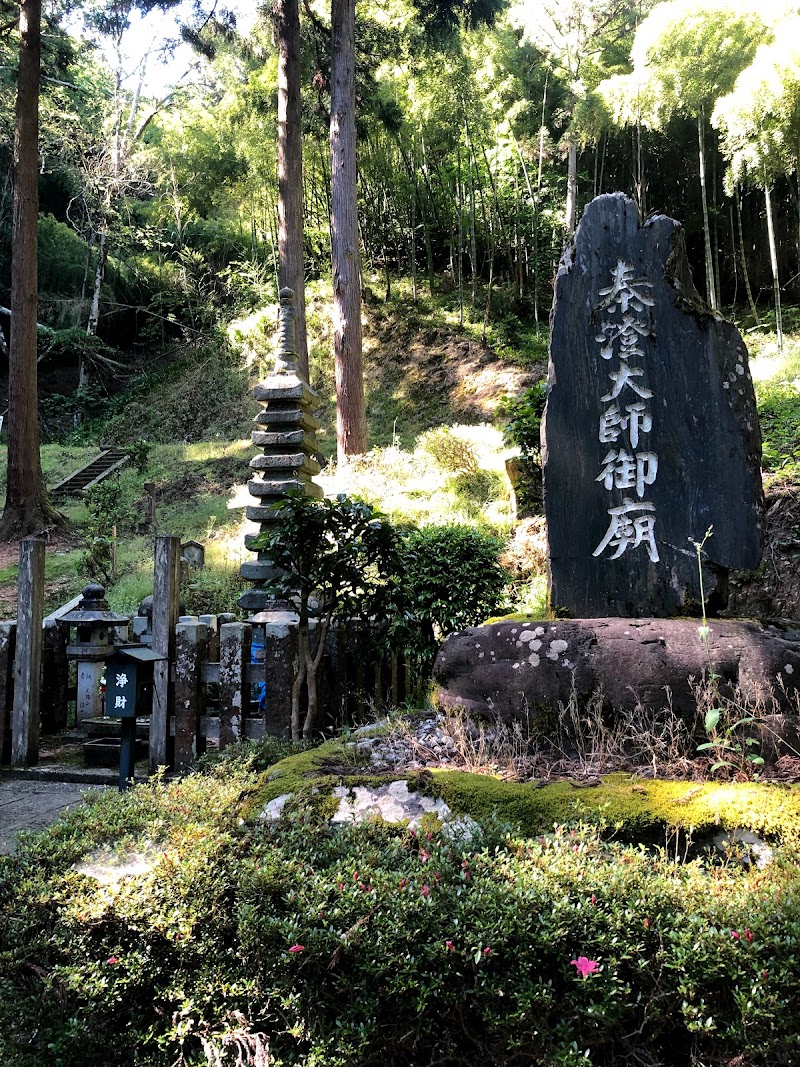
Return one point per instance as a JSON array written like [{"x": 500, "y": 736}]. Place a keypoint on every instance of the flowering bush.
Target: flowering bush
[{"x": 374, "y": 944}]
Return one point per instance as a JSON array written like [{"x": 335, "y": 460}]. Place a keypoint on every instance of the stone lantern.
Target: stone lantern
[{"x": 91, "y": 645}]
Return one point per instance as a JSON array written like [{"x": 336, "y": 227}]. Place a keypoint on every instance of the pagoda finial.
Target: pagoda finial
[{"x": 286, "y": 356}]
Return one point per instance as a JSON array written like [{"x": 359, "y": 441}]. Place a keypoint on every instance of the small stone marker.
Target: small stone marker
[
  {"x": 650, "y": 435},
  {"x": 194, "y": 553}
]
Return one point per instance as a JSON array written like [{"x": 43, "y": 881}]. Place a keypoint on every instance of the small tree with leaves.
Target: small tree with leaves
[{"x": 337, "y": 561}]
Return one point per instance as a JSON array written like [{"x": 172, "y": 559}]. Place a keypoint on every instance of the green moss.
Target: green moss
[
  {"x": 519, "y": 616},
  {"x": 636, "y": 809},
  {"x": 310, "y": 776},
  {"x": 633, "y": 806}
]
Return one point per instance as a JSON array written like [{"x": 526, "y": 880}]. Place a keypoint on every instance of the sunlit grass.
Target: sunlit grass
[{"x": 411, "y": 487}]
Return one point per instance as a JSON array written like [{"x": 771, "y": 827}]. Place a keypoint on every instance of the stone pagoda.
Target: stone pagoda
[{"x": 286, "y": 434}]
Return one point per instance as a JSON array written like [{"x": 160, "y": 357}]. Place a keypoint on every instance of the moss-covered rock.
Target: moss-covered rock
[{"x": 633, "y": 808}]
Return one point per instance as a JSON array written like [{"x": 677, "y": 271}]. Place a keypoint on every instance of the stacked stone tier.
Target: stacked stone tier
[{"x": 285, "y": 431}]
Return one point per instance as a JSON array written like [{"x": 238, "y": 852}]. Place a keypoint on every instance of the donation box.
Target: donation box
[{"x": 129, "y": 687}]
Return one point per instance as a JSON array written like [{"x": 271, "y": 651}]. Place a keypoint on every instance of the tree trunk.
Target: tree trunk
[
  {"x": 460, "y": 202},
  {"x": 711, "y": 288},
  {"x": 351, "y": 428},
  {"x": 291, "y": 270},
  {"x": 773, "y": 258},
  {"x": 473, "y": 245},
  {"x": 572, "y": 189},
  {"x": 94, "y": 311},
  {"x": 413, "y": 243},
  {"x": 743, "y": 255},
  {"x": 27, "y": 509}
]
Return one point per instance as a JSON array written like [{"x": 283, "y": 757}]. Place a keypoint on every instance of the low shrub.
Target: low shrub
[
  {"x": 374, "y": 944},
  {"x": 450, "y": 451},
  {"x": 452, "y": 579}
]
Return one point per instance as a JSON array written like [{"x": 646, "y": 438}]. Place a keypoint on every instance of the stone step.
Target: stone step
[{"x": 109, "y": 461}]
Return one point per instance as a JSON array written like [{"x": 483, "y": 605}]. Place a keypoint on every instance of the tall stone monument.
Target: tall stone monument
[{"x": 650, "y": 435}]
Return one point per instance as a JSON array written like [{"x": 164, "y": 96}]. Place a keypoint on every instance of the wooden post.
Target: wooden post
[
  {"x": 8, "y": 640},
  {"x": 191, "y": 651},
  {"x": 28, "y": 657},
  {"x": 234, "y": 655},
  {"x": 340, "y": 681},
  {"x": 55, "y": 676},
  {"x": 166, "y": 587},
  {"x": 378, "y": 679},
  {"x": 395, "y": 681},
  {"x": 150, "y": 506}
]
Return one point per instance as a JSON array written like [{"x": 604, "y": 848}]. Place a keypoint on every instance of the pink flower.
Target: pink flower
[
  {"x": 585, "y": 966},
  {"x": 341, "y": 887},
  {"x": 113, "y": 959},
  {"x": 594, "y": 899},
  {"x": 403, "y": 883},
  {"x": 735, "y": 935},
  {"x": 487, "y": 952},
  {"x": 297, "y": 948},
  {"x": 647, "y": 924},
  {"x": 748, "y": 935},
  {"x": 423, "y": 855},
  {"x": 426, "y": 891},
  {"x": 449, "y": 946}
]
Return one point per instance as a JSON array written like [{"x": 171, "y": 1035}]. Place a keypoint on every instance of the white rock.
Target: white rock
[{"x": 274, "y": 809}]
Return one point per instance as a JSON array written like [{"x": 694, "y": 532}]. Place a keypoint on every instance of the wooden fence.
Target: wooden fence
[{"x": 220, "y": 681}]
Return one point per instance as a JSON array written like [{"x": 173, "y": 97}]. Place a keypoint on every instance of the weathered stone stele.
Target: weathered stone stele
[{"x": 650, "y": 435}]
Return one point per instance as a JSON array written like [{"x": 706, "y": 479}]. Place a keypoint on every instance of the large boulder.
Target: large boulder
[{"x": 511, "y": 669}]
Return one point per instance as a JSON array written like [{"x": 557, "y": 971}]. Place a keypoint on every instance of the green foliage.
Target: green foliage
[
  {"x": 139, "y": 455},
  {"x": 341, "y": 551},
  {"x": 62, "y": 259},
  {"x": 691, "y": 53},
  {"x": 779, "y": 415},
  {"x": 210, "y": 592},
  {"x": 86, "y": 403},
  {"x": 522, "y": 416},
  {"x": 201, "y": 392},
  {"x": 337, "y": 560},
  {"x": 450, "y": 451},
  {"x": 477, "y": 488},
  {"x": 99, "y": 558},
  {"x": 350, "y": 946},
  {"x": 452, "y": 579}
]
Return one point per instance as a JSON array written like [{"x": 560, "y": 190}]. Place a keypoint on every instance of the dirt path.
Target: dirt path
[{"x": 32, "y": 805}]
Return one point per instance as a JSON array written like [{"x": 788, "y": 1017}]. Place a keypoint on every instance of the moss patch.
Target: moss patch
[
  {"x": 635, "y": 809},
  {"x": 311, "y": 775}
]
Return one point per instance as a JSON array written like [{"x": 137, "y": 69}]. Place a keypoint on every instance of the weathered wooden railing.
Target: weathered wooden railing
[{"x": 220, "y": 681}]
